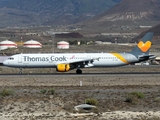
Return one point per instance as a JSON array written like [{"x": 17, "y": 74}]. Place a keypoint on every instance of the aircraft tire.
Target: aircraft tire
[{"x": 79, "y": 71}]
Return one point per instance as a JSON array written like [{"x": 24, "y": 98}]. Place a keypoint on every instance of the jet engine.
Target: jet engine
[{"x": 63, "y": 67}]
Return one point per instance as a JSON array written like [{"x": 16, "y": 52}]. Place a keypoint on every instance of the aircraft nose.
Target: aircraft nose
[{"x": 5, "y": 63}]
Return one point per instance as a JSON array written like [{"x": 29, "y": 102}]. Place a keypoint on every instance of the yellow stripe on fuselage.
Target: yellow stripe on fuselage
[{"x": 120, "y": 57}]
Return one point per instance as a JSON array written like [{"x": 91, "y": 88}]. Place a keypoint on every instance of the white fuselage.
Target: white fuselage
[{"x": 53, "y": 59}]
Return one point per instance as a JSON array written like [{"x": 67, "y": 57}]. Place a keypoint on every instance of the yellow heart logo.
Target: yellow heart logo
[{"x": 144, "y": 46}]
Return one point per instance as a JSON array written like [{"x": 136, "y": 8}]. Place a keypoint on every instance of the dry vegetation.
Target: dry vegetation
[{"x": 54, "y": 96}]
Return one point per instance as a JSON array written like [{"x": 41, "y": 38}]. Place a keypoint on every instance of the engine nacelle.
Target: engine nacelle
[{"x": 63, "y": 67}]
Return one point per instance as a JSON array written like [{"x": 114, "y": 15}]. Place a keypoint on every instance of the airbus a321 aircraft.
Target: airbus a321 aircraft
[{"x": 64, "y": 62}]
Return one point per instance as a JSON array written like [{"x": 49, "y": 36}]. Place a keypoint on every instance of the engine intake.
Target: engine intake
[{"x": 63, "y": 67}]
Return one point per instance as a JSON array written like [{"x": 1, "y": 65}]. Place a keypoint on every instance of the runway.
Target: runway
[
  {"x": 130, "y": 70},
  {"x": 60, "y": 75}
]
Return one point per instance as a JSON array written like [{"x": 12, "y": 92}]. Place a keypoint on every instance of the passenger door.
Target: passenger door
[{"x": 20, "y": 59}]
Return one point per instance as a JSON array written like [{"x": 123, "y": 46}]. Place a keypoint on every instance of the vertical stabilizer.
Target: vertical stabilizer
[{"x": 144, "y": 45}]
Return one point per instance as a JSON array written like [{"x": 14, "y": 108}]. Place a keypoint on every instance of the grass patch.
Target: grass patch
[
  {"x": 6, "y": 92},
  {"x": 91, "y": 101},
  {"x": 134, "y": 97},
  {"x": 48, "y": 91},
  {"x": 139, "y": 95}
]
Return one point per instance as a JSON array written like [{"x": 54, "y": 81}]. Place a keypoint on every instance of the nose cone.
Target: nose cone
[{"x": 5, "y": 63}]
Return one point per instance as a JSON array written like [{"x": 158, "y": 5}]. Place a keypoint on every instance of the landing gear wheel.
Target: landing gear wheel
[
  {"x": 20, "y": 72},
  {"x": 78, "y": 71}
]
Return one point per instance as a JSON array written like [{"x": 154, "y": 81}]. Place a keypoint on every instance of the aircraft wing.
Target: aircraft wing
[{"x": 82, "y": 63}]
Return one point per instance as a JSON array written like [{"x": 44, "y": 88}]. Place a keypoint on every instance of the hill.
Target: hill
[
  {"x": 128, "y": 14},
  {"x": 154, "y": 29},
  {"x": 50, "y": 12}
]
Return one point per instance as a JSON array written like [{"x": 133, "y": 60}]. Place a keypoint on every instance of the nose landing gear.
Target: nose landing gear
[{"x": 20, "y": 72}]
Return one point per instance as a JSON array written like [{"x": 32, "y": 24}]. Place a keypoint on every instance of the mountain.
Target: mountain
[
  {"x": 130, "y": 13},
  {"x": 155, "y": 30},
  {"x": 50, "y": 12},
  {"x": 133, "y": 10}
]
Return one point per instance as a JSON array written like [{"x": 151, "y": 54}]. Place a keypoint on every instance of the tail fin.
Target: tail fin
[{"x": 144, "y": 45}]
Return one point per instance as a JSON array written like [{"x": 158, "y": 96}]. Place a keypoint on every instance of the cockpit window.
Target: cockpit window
[{"x": 11, "y": 58}]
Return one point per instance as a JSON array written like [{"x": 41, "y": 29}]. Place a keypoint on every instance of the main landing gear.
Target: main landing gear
[{"x": 79, "y": 71}]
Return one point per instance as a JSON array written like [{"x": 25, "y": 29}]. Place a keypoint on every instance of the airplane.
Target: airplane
[{"x": 64, "y": 62}]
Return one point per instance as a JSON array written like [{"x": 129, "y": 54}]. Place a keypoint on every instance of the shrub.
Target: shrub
[
  {"x": 51, "y": 91},
  {"x": 134, "y": 97},
  {"x": 139, "y": 95},
  {"x": 43, "y": 91},
  {"x": 131, "y": 99},
  {"x": 48, "y": 92},
  {"x": 91, "y": 101},
  {"x": 6, "y": 92}
]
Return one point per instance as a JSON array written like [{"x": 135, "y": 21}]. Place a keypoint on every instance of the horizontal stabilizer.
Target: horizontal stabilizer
[
  {"x": 146, "y": 57},
  {"x": 152, "y": 56}
]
